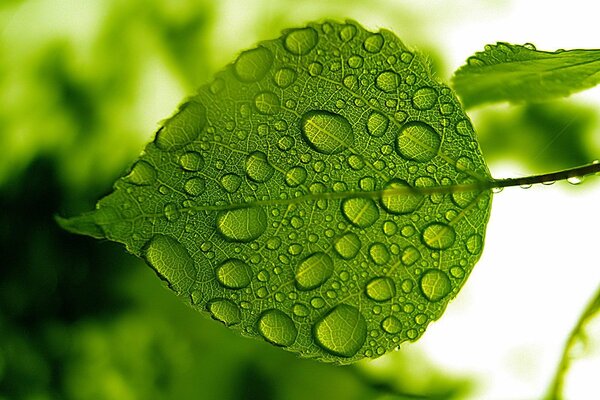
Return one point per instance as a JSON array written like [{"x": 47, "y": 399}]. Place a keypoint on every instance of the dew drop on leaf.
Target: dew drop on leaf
[
  {"x": 435, "y": 284},
  {"x": 348, "y": 245},
  {"x": 361, "y": 212},
  {"x": 258, "y": 167},
  {"x": 342, "y": 331},
  {"x": 424, "y": 98},
  {"x": 391, "y": 325},
  {"x": 191, "y": 161},
  {"x": 141, "y": 174},
  {"x": 242, "y": 225},
  {"x": 439, "y": 236},
  {"x": 327, "y": 132},
  {"x": 224, "y": 310},
  {"x": 381, "y": 289},
  {"x": 277, "y": 327},
  {"x": 171, "y": 261},
  {"x": 418, "y": 141},
  {"x": 183, "y": 128},
  {"x": 388, "y": 81},
  {"x": 377, "y": 124},
  {"x": 234, "y": 274},
  {"x": 252, "y": 65},
  {"x": 313, "y": 271},
  {"x": 300, "y": 41}
]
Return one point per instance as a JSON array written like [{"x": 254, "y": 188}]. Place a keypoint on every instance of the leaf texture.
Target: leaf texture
[
  {"x": 287, "y": 198},
  {"x": 515, "y": 73}
]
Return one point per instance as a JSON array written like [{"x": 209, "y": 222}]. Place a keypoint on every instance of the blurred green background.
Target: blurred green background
[{"x": 83, "y": 85}]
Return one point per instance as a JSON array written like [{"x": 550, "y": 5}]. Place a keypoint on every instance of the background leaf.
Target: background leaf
[
  {"x": 515, "y": 73},
  {"x": 283, "y": 198}
]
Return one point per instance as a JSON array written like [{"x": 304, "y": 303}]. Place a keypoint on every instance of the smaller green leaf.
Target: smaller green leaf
[{"x": 515, "y": 73}]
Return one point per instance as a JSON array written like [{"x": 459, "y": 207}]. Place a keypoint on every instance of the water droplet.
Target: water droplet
[
  {"x": 575, "y": 180},
  {"x": 475, "y": 62},
  {"x": 421, "y": 319},
  {"x": 355, "y": 61},
  {"x": 351, "y": 82},
  {"x": 435, "y": 284},
  {"x": 266, "y": 102},
  {"x": 243, "y": 224},
  {"x": 347, "y": 245},
  {"x": 252, "y": 65},
  {"x": 182, "y": 128},
  {"x": 457, "y": 272},
  {"x": 285, "y": 143},
  {"x": 464, "y": 128},
  {"x": 315, "y": 68},
  {"x": 398, "y": 197},
  {"x": 277, "y": 327},
  {"x": 381, "y": 289},
  {"x": 313, "y": 271},
  {"x": 191, "y": 161},
  {"x": 438, "y": 236},
  {"x": 234, "y": 274},
  {"x": 295, "y": 176},
  {"x": 347, "y": 33},
  {"x": 410, "y": 255},
  {"x": 327, "y": 132},
  {"x": 171, "y": 211},
  {"x": 342, "y": 331},
  {"x": 424, "y": 98},
  {"x": 300, "y": 310},
  {"x": 258, "y": 167},
  {"x": 171, "y": 261},
  {"x": 391, "y": 325},
  {"x": 388, "y": 81},
  {"x": 373, "y": 43},
  {"x": 300, "y": 41},
  {"x": 379, "y": 253},
  {"x": 367, "y": 183},
  {"x": 475, "y": 244},
  {"x": 464, "y": 198},
  {"x": 195, "y": 186},
  {"x": 417, "y": 141},
  {"x": 377, "y": 124},
  {"x": 142, "y": 173},
  {"x": 356, "y": 162},
  {"x": 225, "y": 311},
  {"x": 390, "y": 228},
  {"x": 231, "y": 182},
  {"x": 361, "y": 212},
  {"x": 284, "y": 77}
]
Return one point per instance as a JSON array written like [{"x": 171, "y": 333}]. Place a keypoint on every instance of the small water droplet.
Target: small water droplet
[
  {"x": 355, "y": 61},
  {"x": 347, "y": 33},
  {"x": 234, "y": 274},
  {"x": 438, "y": 236},
  {"x": 390, "y": 228},
  {"x": 398, "y": 197},
  {"x": 342, "y": 331},
  {"x": 575, "y": 180},
  {"x": 377, "y": 124},
  {"x": 381, "y": 289},
  {"x": 142, "y": 173},
  {"x": 317, "y": 302},
  {"x": 361, "y": 212},
  {"x": 258, "y": 167},
  {"x": 391, "y": 325},
  {"x": 315, "y": 68},
  {"x": 266, "y": 103},
  {"x": 373, "y": 43},
  {"x": 410, "y": 255},
  {"x": 313, "y": 271},
  {"x": 277, "y": 327},
  {"x": 464, "y": 128},
  {"x": 301, "y": 41},
  {"x": 457, "y": 272},
  {"x": 225, "y": 311},
  {"x": 300, "y": 310},
  {"x": 231, "y": 182},
  {"x": 171, "y": 261},
  {"x": 327, "y": 132},
  {"x": 356, "y": 162},
  {"x": 194, "y": 186},
  {"x": 347, "y": 245},
  {"x": 475, "y": 243},
  {"x": 171, "y": 211},
  {"x": 252, "y": 65},
  {"x": 351, "y": 82},
  {"x": 191, "y": 161},
  {"x": 417, "y": 141},
  {"x": 435, "y": 284},
  {"x": 379, "y": 253},
  {"x": 424, "y": 98},
  {"x": 284, "y": 77},
  {"x": 243, "y": 224},
  {"x": 182, "y": 128},
  {"x": 295, "y": 176},
  {"x": 388, "y": 81}
]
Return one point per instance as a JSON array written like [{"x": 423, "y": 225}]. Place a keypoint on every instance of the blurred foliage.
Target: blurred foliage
[{"x": 83, "y": 85}]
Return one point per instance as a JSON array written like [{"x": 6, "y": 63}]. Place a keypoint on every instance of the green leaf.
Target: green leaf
[
  {"x": 515, "y": 73},
  {"x": 297, "y": 197}
]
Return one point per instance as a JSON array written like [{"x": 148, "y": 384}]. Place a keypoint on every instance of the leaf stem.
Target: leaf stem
[{"x": 567, "y": 174}]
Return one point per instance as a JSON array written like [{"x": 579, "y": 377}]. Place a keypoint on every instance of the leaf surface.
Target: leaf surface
[
  {"x": 515, "y": 73},
  {"x": 289, "y": 197}
]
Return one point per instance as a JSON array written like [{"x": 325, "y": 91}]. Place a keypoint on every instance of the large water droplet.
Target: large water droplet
[
  {"x": 379, "y": 253},
  {"x": 342, "y": 331},
  {"x": 377, "y": 124},
  {"x": 191, "y": 161},
  {"x": 347, "y": 33},
  {"x": 301, "y": 41},
  {"x": 182, "y": 128},
  {"x": 258, "y": 167},
  {"x": 266, "y": 102},
  {"x": 381, "y": 288},
  {"x": 171, "y": 261},
  {"x": 347, "y": 245},
  {"x": 253, "y": 65},
  {"x": 231, "y": 182},
  {"x": 295, "y": 176},
  {"x": 142, "y": 173},
  {"x": 284, "y": 77},
  {"x": 417, "y": 141},
  {"x": 360, "y": 211},
  {"x": 388, "y": 81},
  {"x": 277, "y": 327},
  {"x": 373, "y": 43},
  {"x": 225, "y": 311},
  {"x": 398, "y": 197},
  {"x": 438, "y": 236},
  {"x": 234, "y": 274},
  {"x": 435, "y": 284},
  {"x": 424, "y": 98},
  {"x": 391, "y": 325},
  {"x": 410, "y": 255},
  {"x": 327, "y": 132},
  {"x": 243, "y": 224},
  {"x": 313, "y": 271},
  {"x": 195, "y": 186}
]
